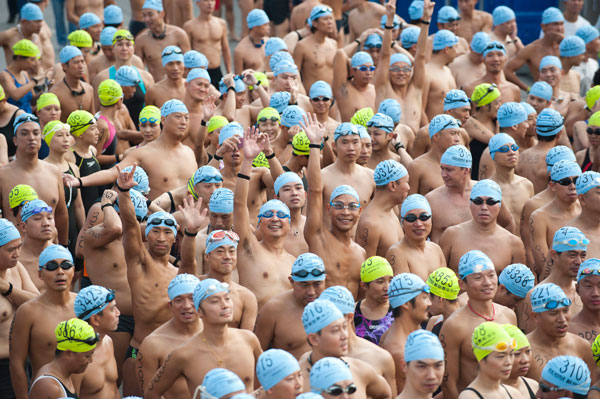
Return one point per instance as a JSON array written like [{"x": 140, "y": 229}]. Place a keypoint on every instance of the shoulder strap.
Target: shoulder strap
[
  {"x": 531, "y": 393},
  {"x": 476, "y": 392},
  {"x": 506, "y": 389},
  {"x": 51, "y": 377}
]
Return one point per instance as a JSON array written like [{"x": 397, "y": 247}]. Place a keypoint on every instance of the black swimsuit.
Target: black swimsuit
[
  {"x": 87, "y": 166},
  {"x": 481, "y": 396},
  {"x": 70, "y": 197},
  {"x": 8, "y": 132}
]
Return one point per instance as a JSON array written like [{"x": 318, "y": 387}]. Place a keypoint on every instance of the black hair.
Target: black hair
[
  {"x": 435, "y": 51},
  {"x": 397, "y": 312},
  {"x": 545, "y": 139},
  {"x": 116, "y": 26}
]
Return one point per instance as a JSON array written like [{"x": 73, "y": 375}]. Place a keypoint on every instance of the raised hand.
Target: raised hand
[
  {"x": 125, "y": 180},
  {"x": 208, "y": 107},
  {"x": 294, "y": 130},
  {"x": 250, "y": 146},
  {"x": 428, "y": 10},
  {"x": 249, "y": 78},
  {"x": 390, "y": 10},
  {"x": 231, "y": 144},
  {"x": 264, "y": 143},
  {"x": 313, "y": 128},
  {"x": 109, "y": 197},
  {"x": 193, "y": 218}
]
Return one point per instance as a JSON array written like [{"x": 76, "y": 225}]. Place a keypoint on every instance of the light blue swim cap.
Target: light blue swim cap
[
  {"x": 400, "y": 57},
  {"x": 587, "y": 268},
  {"x": 528, "y": 108},
  {"x": 197, "y": 73},
  {"x": 256, "y": 17},
  {"x": 34, "y": 207},
  {"x": 228, "y": 238},
  {"x": 442, "y": 122},
  {"x": 415, "y": 9},
  {"x": 391, "y": 107},
  {"x": 286, "y": 178},
  {"x": 511, "y": 114},
  {"x": 410, "y": 36},
  {"x": 127, "y": 76},
  {"x": 587, "y": 181},
  {"x": 502, "y": 14},
  {"x": 497, "y": 141},
  {"x": 493, "y": 46},
  {"x": 162, "y": 217},
  {"x": 414, "y": 201},
  {"x": 587, "y": 33},
  {"x": 311, "y": 264},
  {"x": 572, "y": 46},
  {"x": 542, "y": 89},
  {"x": 381, "y": 121},
  {"x": 552, "y": 14},
  {"x": 344, "y": 189},
  {"x": 320, "y": 89},
  {"x": 139, "y": 202},
  {"x": 319, "y": 11},
  {"x": 106, "y": 35},
  {"x": 238, "y": 85},
  {"x": 195, "y": 59},
  {"x": 344, "y": 129},
  {"x": 563, "y": 169},
  {"x": 549, "y": 122},
  {"x": 319, "y": 314},
  {"x": 273, "y": 205},
  {"x": 328, "y": 371},
  {"x": 456, "y": 99},
  {"x": 8, "y": 232},
  {"x": 92, "y": 300},
  {"x": 141, "y": 178},
  {"x": 274, "y": 365},
  {"x": 280, "y": 100},
  {"x": 207, "y": 174},
  {"x": 558, "y": 153},
  {"x": 447, "y": 14},
  {"x": 362, "y": 132},
  {"x": 88, "y": 19},
  {"x": 229, "y": 130},
  {"x": 68, "y": 53},
  {"x": 207, "y": 288},
  {"x": 550, "y": 60},
  {"x": 153, "y": 5},
  {"x": 388, "y": 171},
  {"x": 220, "y": 382},
  {"x": 373, "y": 40},
  {"x": 173, "y": 105},
  {"x": 518, "y": 279},
  {"x": 341, "y": 297},
  {"x": 273, "y": 45},
  {"x": 292, "y": 115},
  {"x": 396, "y": 22},
  {"x": 444, "y": 38},
  {"x": 360, "y": 58},
  {"x": 548, "y": 296},
  {"x": 457, "y": 155},
  {"x": 487, "y": 188},
  {"x": 569, "y": 238},
  {"x": 54, "y": 252},
  {"x": 422, "y": 344},
  {"x": 31, "y": 12},
  {"x": 404, "y": 287},
  {"x": 221, "y": 201},
  {"x": 278, "y": 57},
  {"x": 285, "y": 67},
  {"x": 113, "y": 15},
  {"x": 474, "y": 261},
  {"x": 182, "y": 284},
  {"x": 576, "y": 379}
]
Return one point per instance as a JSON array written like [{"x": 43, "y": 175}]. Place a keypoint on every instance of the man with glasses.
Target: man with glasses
[
  {"x": 556, "y": 381},
  {"x": 279, "y": 322},
  {"x": 353, "y": 87},
  {"x": 172, "y": 84},
  {"x": 289, "y": 188},
  {"x": 586, "y": 323},
  {"x": 331, "y": 379},
  {"x": 545, "y": 221},
  {"x": 378, "y": 228},
  {"x": 97, "y": 306},
  {"x": 216, "y": 346},
  {"x": 32, "y": 333},
  {"x": 439, "y": 77},
  {"x": 550, "y": 310},
  {"x": 587, "y": 189},
  {"x": 477, "y": 276}
]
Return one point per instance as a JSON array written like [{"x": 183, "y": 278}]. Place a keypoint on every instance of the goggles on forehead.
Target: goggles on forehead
[{"x": 109, "y": 298}]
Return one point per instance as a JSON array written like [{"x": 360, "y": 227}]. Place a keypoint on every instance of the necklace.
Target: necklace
[
  {"x": 211, "y": 349},
  {"x": 76, "y": 94},
  {"x": 483, "y": 316}
]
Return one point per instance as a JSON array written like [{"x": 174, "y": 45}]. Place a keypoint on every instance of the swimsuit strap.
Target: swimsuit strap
[
  {"x": 172, "y": 210},
  {"x": 531, "y": 393},
  {"x": 62, "y": 386},
  {"x": 112, "y": 71},
  {"x": 476, "y": 392},
  {"x": 111, "y": 132},
  {"x": 506, "y": 389}
]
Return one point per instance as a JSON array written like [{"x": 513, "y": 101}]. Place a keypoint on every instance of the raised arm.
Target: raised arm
[
  {"x": 250, "y": 80},
  {"x": 420, "y": 55},
  {"x": 539, "y": 245},
  {"x": 193, "y": 220},
  {"x": 228, "y": 105},
  {"x": 513, "y": 65},
  {"x": 110, "y": 229}
]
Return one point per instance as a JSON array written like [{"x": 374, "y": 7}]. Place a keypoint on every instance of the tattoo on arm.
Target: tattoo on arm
[
  {"x": 140, "y": 371},
  {"x": 365, "y": 236},
  {"x": 159, "y": 373},
  {"x": 10, "y": 332}
]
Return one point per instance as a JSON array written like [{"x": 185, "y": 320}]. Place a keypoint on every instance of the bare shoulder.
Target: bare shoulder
[
  {"x": 48, "y": 166},
  {"x": 243, "y": 291},
  {"x": 245, "y": 335}
]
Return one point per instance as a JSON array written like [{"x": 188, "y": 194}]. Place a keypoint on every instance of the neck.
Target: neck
[
  {"x": 178, "y": 83},
  {"x": 462, "y": 187},
  {"x": 230, "y": 171},
  {"x": 439, "y": 59},
  {"x": 360, "y": 86},
  {"x": 294, "y": 165},
  {"x": 255, "y": 36},
  {"x": 436, "y": 152},
  {"x": 560, "y": 278},
  {"x": 193, "y": 105},
  {"x": 26, "y": 33},
  {"x": 204, "y": 16},
  {"x": 57, "y": 297},
  {"x": 319, "y": 37},
  {"x": 120, "y": 62},
  {"x": 549, "y": 43},
  {"x": 324, "y": 117},
  {"x": 410, "y": 392},
  {"x": 33, "y": 245},
  {"x": 346, "y": 167},
  {"x": 493, "y": 77},
  {"x": 224, "y": 278},
  {"x": 187, "y": 329},
  {"x": 80, "y": 147},
  {"x": 170, "y": 140},
  {"x": 484, "y": 228},
  {"x": 450, "y": 308},
  {"x": 57, "y": 158},
  {"x": 296, "y": 216},
  {"x": 375, "y": 305},
  {"x": 504, "y": 174},
  {"x": 384, "y": 201},
  {"x": 474, "y": 59},
  {"x": 72, "y": 81},
  {"x": 406, "y": 324},
  {"x": 487, "y": 382},
  {"x": 513, "y": 381},
  {"x": 546, "y": 145},
  {"x": 345, "y": 237},
  {"x": 588, "y": 218},
  {"x": 467, "y": 14},
  {"x": 485, "y": 307},
  {"x": 110, "y": 112},
  {"x": 565, "y": 206},
  {"x": 540, "y": 335},
  {"x": 159, "y": 28},
  {"x": 482, "y": 116},
  {"x": 215, "y": 334},
  {"x": 274, "y": 245},
  {"x": 591, "y": 316},
  {"x": 417, "y": 244}
]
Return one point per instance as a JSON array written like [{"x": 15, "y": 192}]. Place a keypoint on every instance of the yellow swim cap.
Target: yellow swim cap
[
  {"x": 262, "y": 79},
  {"x": 491, "y": 337},
  {"x": 484, "y": 94},
  {"x": 150, "y": 113},
  {"x": 268, "y": 113},
  {"x": 444, "y": 283},
  {"x": 2, "y": 94},
  {"x": 216, "y": 122},
  {"x": 75, "y": 335},
  {"x": 47, "y": 99},
  {"x": 594, "y": 119},
  {"x": 375, "y": 267},
  {"x": 362, "y": 116},
  {"x": 109, "y": 92},
  {"x": 79, "y": 121},
  {"x": 591, "y": 96},
  {"x": 19, "y": 194},
  {"x": 260, "y": 161},
  {"x": 518, "y": 335},
  {"x": 300, "y": 144},
  {"x": 26, "y": 48},
  {"x": 122, "y": 34},
  {"x": 53, "y": 127},
  {"x": 596, "y": 350},
  {"x": 80, "y": 38}
]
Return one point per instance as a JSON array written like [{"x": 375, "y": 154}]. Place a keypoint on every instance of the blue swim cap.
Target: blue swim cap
[
  {"x": 106, "y": 36},
  {"x": 92, "y": 300},
  {"x": 221, "y": 201},
  {"x": 195, "y": 59},
  {"x": 280, "y": 100},
  {"x": 274, "y": 365},
  {"x": 328, "y": 371},
  {"x": 414, "y": 201},
  {"x": 587, "y": 268},
  {"x": 399, "y": 57},
  {"x": 171, "y": 54},
  {"x": 286, "y": 178},
  {"x": 444, "y": 38},
  {"x": 381, "y": 121},
  {"x": 310, "y": 263},
  {"x": 558, "y": 153},
  {"x": 563, "y": 169},
  {"x": 391, "y": 107},
  {"x": 207, "y": 174},
  {"x": 576, "y": 379},
  {"x": 362, "y": 132},
  {"x": 518, "y": 279},
  {"x": 344, "y": 189},
  {"x": 161, "y": 216},
  {"x": 457, "y": 155},
  {"x": 31, "y": 12},
  {"x": 404, "y": 287},
  {"x": 8, "y": 232},
  {"x": 127, "y": 76},
  {"x": 273, "y": 205},
  {"x": 173, "y": 105},
  {"x": 447, "y": 14},
  {"x": 319, "y": 314},
  {"x": 285, "y": 67},
  {"x": 542, "y": 89},
  {"x": 256, "y": 17},
  {"x": 572, "y": 46},
  {"x": 474, "y": 261},
  {"x": 511, "y": 114},
  {"x": 502, "y": 14},
  {"x": 54, "y": 252},
  {"x": 499, "y": 140},
  {"x": 88, "y": 19},
  {"x": 320, "y": 89},
  {"x": 569, "y": 238},
  {"x": 113, "y": 15},
  {"x": 207, "y": 288},
  {"x": 396, "y": 22},
  {"x": 68, "y": 53},
  {"x": 238, "y": 85},
  {"x": 139, "y": 202},
  {"x": 344, "y": 129},
  {"x": 197, "y": 73},
  {"x": 456, "y": 98},
  {"x": 487, "y": 188},
  {"x": 415, "y": 9},
  {"x": 224, "y": 238},
  {"x": 318, "y": 12},
  {"x": 587, "y": 181},
  {"x": 220, "y": 382},
  {"x": 360, "y": 58},
  {"x": 292, "y": 115},
  {"x": 410, "y": 36},
  {"x": 550, "y": 60},
  {"x": 422, "y": 344},
  {"x": 493, "y": 46},
  {"x": 278, "y": 57},
  {"x": 141, "y": 178},
  {"x": 24, "y": 118},
  {"x": 153, "y": 5},
  {"x": 182, "y": 284},
  {"x": 273, "y": 45},
  {"x": 341, "y": 297},
  {"x": 373, "y": 40},
  {"x": 549, "y": 122},
  {"x": 587, "y": 33},
  {"x": 388, "y": 171},
  {"x": 229, "y": 130},
  {"x": 528, "y": 108},
  {"x": 442, "y": 122},
  {"x": 34, "y": 207},
  {"x": 548, "y": 296},
  {"x": 552, "y": 14}
]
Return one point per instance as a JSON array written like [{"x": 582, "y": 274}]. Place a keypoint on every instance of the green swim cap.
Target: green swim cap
[
  {"x": 375, "y": 267},
  {"x": 596, "y": 350},
  {"x": 79, "y": 121},
  {"x": 484, "y": 94},
  {"x": 73, "y": 335},
  {"x": 300, "y": 144},
  {"x": 518, "y": 335},
  {"x": 591, "y": 96},
  {"x": 269, "y": 113},
  {"x": 260, "y": 161},
  {"x": 150, "y": 113},
  {"x": 362, "y": 116},
  {"x": 2, "y": 94},
  {"x": 490, "y": 337},
  {"x": 594, "y": 119},
  {"x": 19, "y": 194},
  {"x": 47, "y": 99},
  {"x": 26, "y": 48},
  {"x": 216, "y": 122},
  {"x": 262, "y": 79},
  {"x": 109, "y": 92},
  {"x": 122, "y": 34},
  {"x": 51, "y": 128},
  {"x": 80, "y": 39},
  {"x": 443, "y": 282}
]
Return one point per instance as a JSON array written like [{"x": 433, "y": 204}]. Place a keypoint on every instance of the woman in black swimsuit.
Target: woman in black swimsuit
[{"x": 522, "y": 353}]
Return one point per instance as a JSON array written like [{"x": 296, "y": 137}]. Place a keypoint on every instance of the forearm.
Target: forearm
[
  {"x": 188, "y": 253},
  {"x": 510, "y": 71},
  {"x": 19, "y": 92},
  {"x": 18, "y": 378},
  {"x": 100, "y": 178},
  {"x": 62, "y": 223},
  {"x": 130, "y": 135},
  {"x": 264, "y": 96}
]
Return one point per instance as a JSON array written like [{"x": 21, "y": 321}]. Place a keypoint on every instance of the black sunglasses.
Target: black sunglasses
[
  {"x": 567, "y": 181},
  {"x": 488, "y": 201},
  {"x": 589, "y": 130},
  {"x": 411, "y": 218},
  {"x": 109, "y": 298},
  {"x": 53, "y": 265},
  {"x": 305, "y": 273}
]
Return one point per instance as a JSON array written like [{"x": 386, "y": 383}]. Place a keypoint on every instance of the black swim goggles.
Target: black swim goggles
[
  {"x": 411, "y": 217},
  {"x": 53, "y": 265},
  {"x": 109, "y": 298},
  {"x": 488, "y": 201}
]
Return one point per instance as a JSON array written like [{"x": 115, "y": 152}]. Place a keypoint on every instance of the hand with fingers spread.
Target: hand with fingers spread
[
  {"x": 313, "y": 128},
  {"x": 250, "y": 147},
  {"x": 230, "y": 145},
  {"x": 194, "y": 218},
  {"x": 390, "y": 9},
  {"x": 228, "y": 80},
  {"x": 125, "y": 180},
  {"x": 208, "y": 108},
  {"x": 264, "y": 143},
  {"x": 249, "y": 78}
]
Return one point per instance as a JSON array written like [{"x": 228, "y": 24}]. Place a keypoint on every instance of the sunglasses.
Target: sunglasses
[
  {"x": 53, "y": 265},
  {"x": 109, "y": 298},
  {"x": 122, "y": 37},
  {"x": 411, "y": 218},
  {"x": 269, "y": 214},
  {"x": 574, "y": 242},
  {"x": 150, "y": 120},
  {"x": 370, "y": 46},
  {"x": 353, "y": 206},
  {"x": 363, "y": 68},
  {"x": 489, "y": 90},
  {"x": 169, "y": 52},
  {"x": 553, "y": 304},
  {"x": 505, "y": 148},
  {"x": 305, "y": 273},
  {"x": 159, "y": 221},
  {"x": 401, "y": 69},
  {"x": 480, "y": 201},
  {"x": 589, "y": 130},
  {"x": 317, "y": 99},
  {"x": 567, "y": 181},
  {"x": 272, "y": 119},
  {"x": 545, "y": 388},
  {"x": 221, "y": 235},
  {"x": 336, "y": 390}
]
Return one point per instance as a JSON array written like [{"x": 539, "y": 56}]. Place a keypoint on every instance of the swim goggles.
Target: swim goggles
[
  {"x": 488, "y": 201},
  {"x": 501, "y": 346},
  {"x": 304, "y": 273},
  {"x": 269, "y": 214},
  {"x": 339, "y": 205},
  {"x": 505, "y": 148},
  {"x": 490, "y": 90},
  {"x": 553, "y": 304},
  {"x": 336, "y": 390},
  {"x": 364, "y": 68},
  {"x": 148, "y": 120},
  {"x": 53, "y": 265},
  {"x": 223, "y": 234},
  {"x": 411, "y": 217},
  {"x": 573, "y": 242}
]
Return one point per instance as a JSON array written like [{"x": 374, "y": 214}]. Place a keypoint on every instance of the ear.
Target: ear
[
  {"x": 313, "y": 340},
  {"x": 463, "y": 284}
]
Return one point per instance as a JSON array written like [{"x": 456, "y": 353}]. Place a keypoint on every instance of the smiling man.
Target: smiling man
[{"x": 173, "y": 83}]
